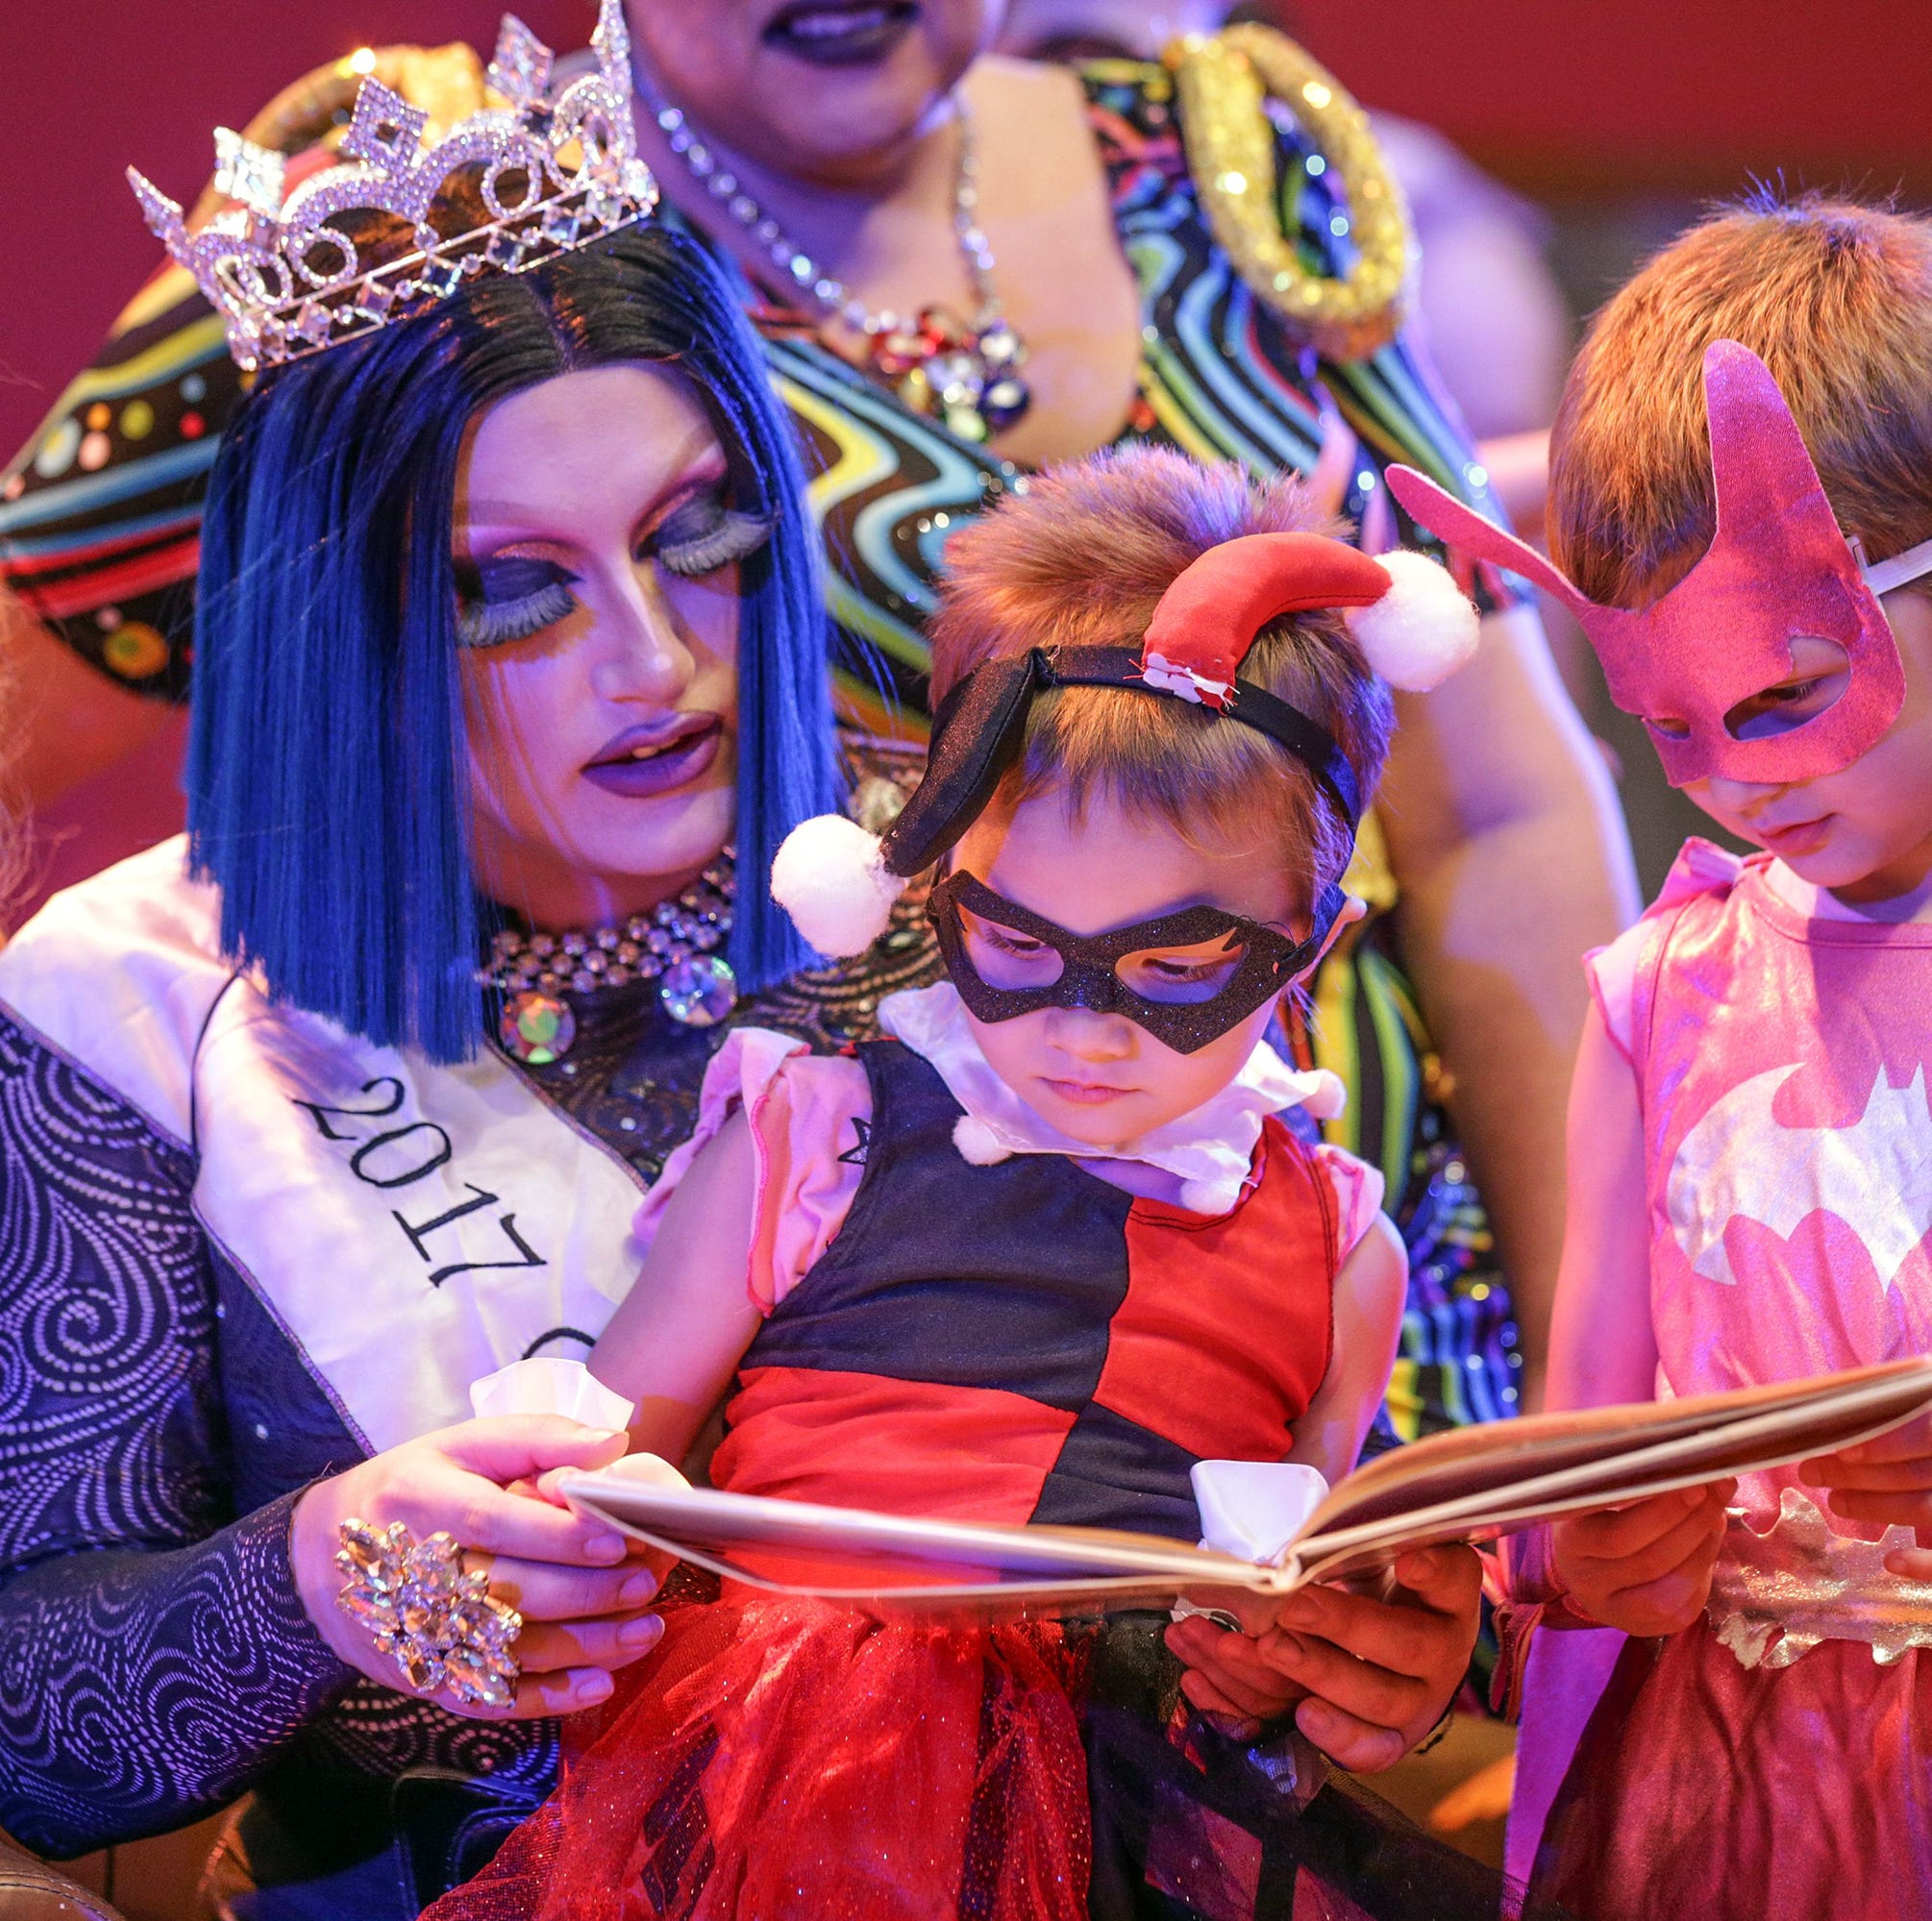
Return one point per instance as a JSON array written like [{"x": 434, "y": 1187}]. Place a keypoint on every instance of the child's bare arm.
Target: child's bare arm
[
  {"x": 676, "y": 1338},
  {"x": 1368, "y": 1294},
  {"x": 1602, "y": 1349},
  {"x": 1248, "y": 1677},
  {"x": 1645, "y": 1568}
]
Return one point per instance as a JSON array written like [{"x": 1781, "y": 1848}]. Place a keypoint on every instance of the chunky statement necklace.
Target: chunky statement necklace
[
  {"x": 674, "y": 945},
  {"x": 965, "y": 373}
]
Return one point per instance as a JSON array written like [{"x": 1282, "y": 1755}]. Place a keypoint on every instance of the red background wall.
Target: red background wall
[
  {"x": 1610, "y": 96},
  {"x": 1573, "y": 100}
]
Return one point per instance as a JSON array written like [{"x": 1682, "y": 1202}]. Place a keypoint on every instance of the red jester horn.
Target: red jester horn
[
  {"x": 1412, "y": 624},
  {"x": 1207, "y": 620},
  {"x": 1777, "y": 566}
]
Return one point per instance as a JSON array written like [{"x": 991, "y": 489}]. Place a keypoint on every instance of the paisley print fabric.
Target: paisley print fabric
[
  {"x": 152, "y": 1651},
  {"x": 154, "y": 1660}
]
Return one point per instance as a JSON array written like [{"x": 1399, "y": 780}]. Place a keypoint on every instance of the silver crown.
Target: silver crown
[{"x": 558, "y": 172}]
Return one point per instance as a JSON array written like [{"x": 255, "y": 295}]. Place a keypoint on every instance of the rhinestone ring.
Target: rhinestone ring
[{"x": 441, "y": 1625}]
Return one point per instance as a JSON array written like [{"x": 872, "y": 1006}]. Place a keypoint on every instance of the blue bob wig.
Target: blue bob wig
[{"x": 328, "y": 762}]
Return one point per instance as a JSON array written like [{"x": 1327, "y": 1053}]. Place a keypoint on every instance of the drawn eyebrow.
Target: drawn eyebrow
[{"x": 510, "y": 513}]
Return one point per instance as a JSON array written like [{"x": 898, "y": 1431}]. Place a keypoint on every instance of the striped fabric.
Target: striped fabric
[
  {"x": 98, "y": 518},
  {"x": 100, "y": 515}
]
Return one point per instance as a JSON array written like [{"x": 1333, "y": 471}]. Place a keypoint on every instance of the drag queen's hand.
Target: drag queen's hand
[
  {"x": 573, "y": 1580},
  {"x": 1890, "y": 1481},
  {"x": 1371, "y": 1675},
  {"x": 1645, "y": 1568}
]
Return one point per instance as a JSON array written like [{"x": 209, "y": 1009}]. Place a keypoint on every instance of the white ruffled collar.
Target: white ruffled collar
[{"x": 1208, "y": 1150}]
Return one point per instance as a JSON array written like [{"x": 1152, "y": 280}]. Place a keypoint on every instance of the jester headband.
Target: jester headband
[
  {"x": 1777, "y": 567},
  {"x": 838, "y": 882}
]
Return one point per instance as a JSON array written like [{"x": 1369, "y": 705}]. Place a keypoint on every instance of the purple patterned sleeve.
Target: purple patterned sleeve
[
  {"x": 137, "y": 1690},
  {"x": 152, "y": 1654}
]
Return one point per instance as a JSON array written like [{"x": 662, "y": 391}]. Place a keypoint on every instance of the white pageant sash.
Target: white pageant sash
[{"x": 411, "y": 1227}]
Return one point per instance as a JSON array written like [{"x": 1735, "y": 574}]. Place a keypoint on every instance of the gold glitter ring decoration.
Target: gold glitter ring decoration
[
  {"x": 1224, "y": 82},
  {"x": 441, "y": 1625}
]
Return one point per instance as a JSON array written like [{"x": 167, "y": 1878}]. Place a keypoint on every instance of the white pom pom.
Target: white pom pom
[
  {"x": 978, "y": 1145},
  {"x": 1422, "y": 629},
  {"x": 829, "y": 877},
  {"x": 1327, "y": 1095},
  {"x": 1207, "y": 1197}
]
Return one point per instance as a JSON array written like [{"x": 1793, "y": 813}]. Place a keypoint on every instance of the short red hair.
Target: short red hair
[{"x": 1836, "y": 300}]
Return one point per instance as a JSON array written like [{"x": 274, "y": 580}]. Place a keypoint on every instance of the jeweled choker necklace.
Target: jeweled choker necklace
[
  {"x": 964, "y": 372},
  {"x": 674, "y": 945}
]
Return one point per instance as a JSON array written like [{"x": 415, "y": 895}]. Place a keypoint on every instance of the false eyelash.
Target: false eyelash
[
  {"x": 496, "y": 623},
  {"x": 734, "y": 536},
  {"x": 1012, "y": 944}
]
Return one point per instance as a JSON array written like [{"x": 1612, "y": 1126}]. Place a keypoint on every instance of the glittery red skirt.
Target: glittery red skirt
[
  {"x": 776, "y": 1757},
  {"x": 1704, "y": 1790},
  {"x": 780, "y": 1757}
]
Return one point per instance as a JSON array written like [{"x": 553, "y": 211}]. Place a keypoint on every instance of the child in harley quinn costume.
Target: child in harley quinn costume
[
  {"x": 1751, "y": 1173},
  {"x": 1033, "y": 1258}
]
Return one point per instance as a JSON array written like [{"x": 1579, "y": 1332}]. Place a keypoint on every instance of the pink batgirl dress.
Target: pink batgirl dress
[{"x": 1773, "y": 1762}]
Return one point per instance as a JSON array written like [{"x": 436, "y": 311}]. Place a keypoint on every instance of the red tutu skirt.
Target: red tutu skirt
[
  {"x": 778, "y": 1757},
  {"x": 1704, "y": 1790}
]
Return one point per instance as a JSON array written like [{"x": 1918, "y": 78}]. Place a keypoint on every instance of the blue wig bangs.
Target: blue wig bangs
[{"x": 328, "y": 767}]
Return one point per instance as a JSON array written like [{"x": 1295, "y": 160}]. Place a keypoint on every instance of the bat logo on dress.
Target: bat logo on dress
[{"x": 1875, "y": 1175}]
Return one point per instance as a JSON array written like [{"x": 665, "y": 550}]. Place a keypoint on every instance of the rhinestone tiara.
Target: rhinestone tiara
[{"x": 559, "y": 171}]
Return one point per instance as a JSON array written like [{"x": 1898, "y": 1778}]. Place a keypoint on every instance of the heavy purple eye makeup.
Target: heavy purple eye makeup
[
  {"x": 705, "y": 533},
  {"x": 509, "y": 597},
  {"x": 512, "y": 597}
]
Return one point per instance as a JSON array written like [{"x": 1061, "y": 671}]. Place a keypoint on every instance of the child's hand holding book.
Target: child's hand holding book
[
  {"x": 1372, "y": 1672},
  {"x": 1886, "y": 1480},
  {"x": 1645, "y": 1568}
]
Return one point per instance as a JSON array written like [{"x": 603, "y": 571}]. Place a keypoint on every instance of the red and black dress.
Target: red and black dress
[{"x": 1006, "y": 1342}]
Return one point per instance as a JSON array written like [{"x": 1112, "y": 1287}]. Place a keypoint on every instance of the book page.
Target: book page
[
  {"x": 894, "y": 1563},
  {"x": 1747, "y": 1431},
  {"x": 1471, "y": 1485},
  {"x": 1452, "y": 1467}
]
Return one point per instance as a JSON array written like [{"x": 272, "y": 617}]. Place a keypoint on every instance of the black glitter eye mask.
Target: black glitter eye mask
[{"x": 1090, "y": 971}]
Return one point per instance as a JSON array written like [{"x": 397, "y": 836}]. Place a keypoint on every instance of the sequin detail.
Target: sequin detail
[
  {"x": 699, "y": 990},
  {"x": 1776, "y": 1595}
]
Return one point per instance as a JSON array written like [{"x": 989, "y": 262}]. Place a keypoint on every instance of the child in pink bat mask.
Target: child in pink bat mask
[{"x": 1750, "y": 1151}]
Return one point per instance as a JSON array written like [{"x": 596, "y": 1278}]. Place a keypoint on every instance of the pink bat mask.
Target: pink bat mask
[{"x": 1777, "y": 567}]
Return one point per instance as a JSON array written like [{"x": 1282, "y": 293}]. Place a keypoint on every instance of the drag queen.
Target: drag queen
[
  {"x": 508, "y": 629},
  {"x": 511, "y": 627}
]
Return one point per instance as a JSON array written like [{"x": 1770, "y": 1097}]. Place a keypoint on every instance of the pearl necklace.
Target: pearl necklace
[
  {"x": 965, "y": 374},
  {"x": 673, "y": 944}
]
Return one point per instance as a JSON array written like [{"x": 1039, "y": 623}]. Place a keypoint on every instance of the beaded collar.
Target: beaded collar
[{"x": 674, "y": 944}]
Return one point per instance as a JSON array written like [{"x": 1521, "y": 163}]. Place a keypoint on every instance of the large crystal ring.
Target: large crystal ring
[{"x": 441, "y": 1625}]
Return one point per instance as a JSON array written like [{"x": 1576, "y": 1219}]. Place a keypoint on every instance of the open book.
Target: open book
[{"x": 1471, "y": 1485}]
